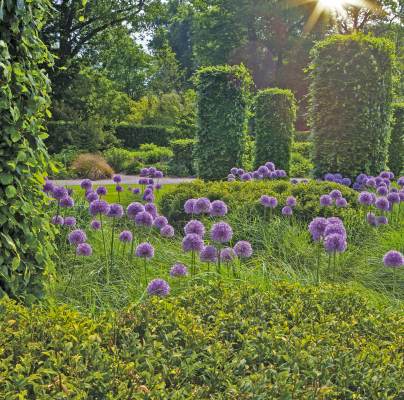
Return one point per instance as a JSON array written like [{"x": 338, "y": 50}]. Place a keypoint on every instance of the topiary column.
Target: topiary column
[
  {"x": 223, "y": 103},
  {"x": 275, "y": 116},
  {"x": 350, "y": 104},
  {"x": 24, "y": 229},
  {"x": 396, "y": 149}
]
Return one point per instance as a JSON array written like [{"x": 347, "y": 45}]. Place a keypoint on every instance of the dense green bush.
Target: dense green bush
[
  {"x": 350, "y": 96},
  {"x": 63, "y": 162},
  {"x": 119, "y": 159},
  {"x": 182, "y": 163},
  {"x": 300, "y": 166},
  {"x": 396, "y": 149},
  {"x": 223, "y": 103},
  {"x": 303, "y": 148},
  {"x": 302, "y": 136},
  {"x": 212, "y": 341},
  {"x": 25, "y": 233},
  {"x": 133, "y": 136},
  {"x": 275, "y": 116}
]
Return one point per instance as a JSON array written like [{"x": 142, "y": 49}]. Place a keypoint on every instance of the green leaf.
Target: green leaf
[{"x": 11, "y": 191}]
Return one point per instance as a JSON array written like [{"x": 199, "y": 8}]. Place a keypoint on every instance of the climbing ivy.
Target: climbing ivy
[{"x": 396, "y": 149}]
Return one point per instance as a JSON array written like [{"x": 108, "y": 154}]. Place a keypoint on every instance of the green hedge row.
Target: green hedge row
[
  {"x": 182, "y": 162},
  {"x": 396, "y": 149}
]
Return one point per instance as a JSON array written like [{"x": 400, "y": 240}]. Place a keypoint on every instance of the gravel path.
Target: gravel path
[{"x": 129, "y": 179}]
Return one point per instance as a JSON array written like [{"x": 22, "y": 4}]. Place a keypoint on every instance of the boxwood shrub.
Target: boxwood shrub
[
  {"x": 396, "y": 149},
  {"x": 132, "y": 136}
]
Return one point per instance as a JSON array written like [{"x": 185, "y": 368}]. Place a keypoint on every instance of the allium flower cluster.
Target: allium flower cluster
[
  {"x": 158, "y": 287},
  {"x": 221, "y": 232},
  {"x": 243, "y": 249},
  {"x": 77, "y": 236},
  {"x": 125, "y": 236},
  {"x": 268, "y": 201},
  {"x": 202, "y": 206},
  {"x": 115, "y": 211},
  {"x": 192, "y": 242},
  {"x": 218, "y": 208},
  {"x": 393, "y": 259},
  {"x": 227, "y": 254},
  {"x": 144, "y": 218},
  {"x": 160, "y": 222},
  {"x": 84, "y": 249},
  {"x": 178, "y": 270},
  {"x": 167, "y": 231},
  {"x": 99, "y": 207},
  {"x": 145, "y": 250},
  {"x": 195, "y": 226},
  {"x": 69, "y": 221},
  {"x": 209, "y": 254}
]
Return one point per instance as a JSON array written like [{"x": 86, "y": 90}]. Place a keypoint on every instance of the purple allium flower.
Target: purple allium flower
[
  {"x": 346, "y": 181},
  {"x": 144, "y": 172},
  {"x": 48, "y": 186},
  {"x": 401, "y": 194},
  {"x": 202, "y": 206},
  {"x": 243, "y": 249},
  {"x": 382, "y": 220},
  {"x": 329, "y": 177},
  {"x": 158, "y": 174},
  {"x": 221, "y": 232},
  {"x": 151, "y": 209},
  {"x": 158, "y": 287},
  {"x": 149, "y": 198},
  {"x": 335, "y": 243},
  {"x": 209, "y": 254},
  {"x": 67, "y": 202},
  {"x": 240, "y": 171},
  {"x": 57, "y": 220},
  {"x": 144, "y": 250},
  {"x": 227, "y": 254},
  {"x": 84, "y": 249},
  {"x": 143, "y": 181},
  {"x": 115, "y": 211},
  {"x": 393, "y": 259},
  {"x": 291, "y": 201},
  {"x": 231, "y": 178},
  {"x": 178, "y": 270},
  {"x": 382, "y": 190},
  {"x": 136, "y": 191},
  {"x": 59, "y": 192},
  {"x": 147, "y": 191},
  {"x": 160, "y": 222},
  {"x": 317, "y": 228},
  {"x": 382, "y": 203},
  {"x": 77, "y": 236},
  {"x": 152, "y": 171},
  {"x": 233, "y": 171},
  {"x": 134, "y": 208},
  {"x": 218, "y": 208},
  {"x": 69, "y": 221},
  {"x": 337, "y": 176},
  {"x": 159, "y": 186},
  {"x": 117, "y": 178},
  {"x": 144, "y": 218},
  {"x": 294, "y": 181},
  {"x": 335, "y": 194},
  {"x": 356, "y": 186},
  {"x": 263, "y": 170},
  {"x": 125, "y": 236},
  {"x": 393, "y": 198},
  {"x": 400, "y": 181},
  {"x": 335, "y": 220},
  {"x": 268, "y": 201},
  {"x": 366, "y": 198},
  {"x": 119, "y": 188},
  {"x": 371, "y": 219},
  {"x": 86, "y": 184},
  {"x": 334, "y": 228},
  {"x": 195, "y": 226},
  {"x": 95, "y": 225},
  {"x": 91, "y": 196},
  {"x": 189, "y": 206},
  {"x": 167, "y": 231},
  {"x": 385, "y": 175},
  {"x": 280, "y": 173},
  {"x": 192, "y": 242},
  {"x": 341, "y": 203},
  {"x": 361, "y": 178},
  {"x": 150, "y": 181},
  {"x": 270, "y": 165},
  {"x": 325, "y": 200},
  {"x": 387, "y": 182},
  {"x": 246, "y": 177},
  {"x": 287, "y": 211},
  {"x": 99, "y": 207},
  {"x": 101, "y": 190}
]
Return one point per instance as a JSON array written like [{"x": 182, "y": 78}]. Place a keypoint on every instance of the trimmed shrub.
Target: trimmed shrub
[
  {"x": 300, "y": 166},
  {"x": 133, "y": 136},
  {"x": 396, "y": 149},
  {"x": 223, "y": 102},
  {"x": 182, "y": 163},
  {"x": 92, "y": 166},
  {"x": 303, "y": 148},
  {"x": 26, "y": 236},
  {"x": 350, "y": 97},
  {"x": 275, "y": 116},
  {"x": 119, "y": 159},
  {"x": 302, "y": 136}
]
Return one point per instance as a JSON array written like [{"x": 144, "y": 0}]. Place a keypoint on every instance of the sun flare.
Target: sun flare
[{"x": 333, "y": 5}]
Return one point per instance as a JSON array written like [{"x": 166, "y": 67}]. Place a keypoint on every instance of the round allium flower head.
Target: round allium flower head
[
  {"x": 152, "y": 171},
  {"x": 357, "y": 186},
  {"x": 84, "y": 249},
  {"x": 119, "y": 188},
  {"x": 382, "y": 190},
  {"x": 91, "y": 196},
  {"x": 281, "y": 173},
  {"x": 325, "y": 200},
  {"x": 101, "y": 190},
  {"x": 189, "y": 206},
  {"x": 400, "y": 181},
  {"x": 99, "y": 207},
  {"x": 382, "y": 203},
  {"x": 221, "y": 232},
  {"x": 240, "y": 171},
  {"x": 136, "y": 190},
  {"x": 291, "y": 201},
  {"x": 117, "y": 178},
  {"x": 329, "y": 177},
  {"x": 48, "y": 186},
  {"x": 246, "y": 177},
  {"x": 192, "y": 242},
  {"x": 294, "y": 181},
  {"x": 209, "y": 254},
  {"x": 143, "y": 181},
  {"x": 231, "y": 178},
  {"x": 195, "y": 226},
  {"x": 227, "y": 254},
  {"x": 115, "y": 211},
  {"x": 334, "y": 228},
  {"x": 86, "y": 184},
  {"x": 77, "y": 236},
  {"x": 270, "y": 165},
  {"x": 243, "y": 249},
  {"x": 69, "y": 221},
  {"x": 67, "y": 202},
  {"x": 158, "y": 287},
  {"x": 346, "y": 181},
  {"x": 160, "y": 222},
  {"x": 401, "y": 194},
  {"x": 134, "y": 208},
  {"x": 144, "y": 250},
  {"x": 385, "y": 175},
  {"x": 144, "y": 172},
  {"x": 218, "y": 208},
  {"x": 371, "y": 219},
  {"x": 263, "y": 170},
  {"x": 287, "y": 211},
  {"x": 337, "y": 176},
  {"x": 382, "y": 220},
  {"x": 158, "y": 174},
  {"x": 317, "y": 228},
  {"x": 178, "y": 270},
  {"x": 95, "y": 225},
  {"x": 335, "y": 194},
  {"x": 149, "y": 198},
  {"x": 233, "y": 171},
  {"x": 59, "y": 192},
  {"x": 167, "y": 231},
  {"x": 147, "y": 191},
  {"x": 202, "y": 206},
  {"x": 387, "y": 182},
  {"x": 125, "y": 236},
  {"x": 151, "y": 209},
  {"x": 361, "y": 178},
  {"x": 57, "y": 220},
  {"x": 159, "y": 186},
  {"x": 341, "y": 203},
  {"x": 335, "y": 221},
  {"x": 144, "y": 219},
  {"x": 335, "y": 243},
  {"x": 393, "y": 198},
  {"x": 150, "y": 181},
  {"x": 366, "y": 198},
  {"x": 393, "y": 259}
]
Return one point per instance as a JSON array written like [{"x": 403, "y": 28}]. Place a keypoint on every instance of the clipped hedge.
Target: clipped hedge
[
  {"x": 25, "y": 233},
  {"x": 132, "y": 136},
  {"x": 396, "y": 149},
  {"x": 275, "y": 116},
  {"x": 182, "y": 163},
  {"x": 223, "y": 103},
  {"x": 302, "y": 136},
  {"x": 214, "y": 341},
  {"x": 350, "y": 104}
]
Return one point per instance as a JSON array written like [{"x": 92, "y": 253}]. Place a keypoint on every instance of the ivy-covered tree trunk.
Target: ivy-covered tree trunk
[
  {"x": 25, "y": 246},
  {"x": 396, "y": 148}
]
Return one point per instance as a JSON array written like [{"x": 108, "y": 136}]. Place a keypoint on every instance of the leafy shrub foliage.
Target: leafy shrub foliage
[
  {"x": 275, "y": 116},
  {"x": 92, "y": 166},
  {"x": 396, "y": 149},
  {"x": 302, "y": 136},
  {"x": 351, "y": 94},
  {"x": 212, "y": 341},
  {"x": 223, "y": 102},
  {"x": 303, "y": 148},
  {"x": 300, "y": 166},
  {"x": 182, "y": 163},
  {"x": 119, "y": 159},
  {"x": 25, "y": 234}
]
